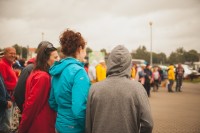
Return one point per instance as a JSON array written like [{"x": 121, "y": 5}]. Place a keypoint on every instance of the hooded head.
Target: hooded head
[
  {"x": 119, "y": 62},
  {"x": 171, "y": 67}
]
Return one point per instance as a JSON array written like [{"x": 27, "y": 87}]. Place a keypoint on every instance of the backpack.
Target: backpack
[{"x": 180, "y": 71}]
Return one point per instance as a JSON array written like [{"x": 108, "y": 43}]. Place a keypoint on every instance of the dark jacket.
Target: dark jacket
[
  {"x": 4, "y": 96},
  {"x": 118, "y": 104},
  {"x": 19, "y": 93},
  {"x": 148, "y": 75}
]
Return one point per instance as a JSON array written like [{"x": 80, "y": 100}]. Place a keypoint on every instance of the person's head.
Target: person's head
[
  {"x": 155, "y": 69},
  {"x": 134, "y": 65},
  {"x": 47, "y": 54},
  {"x": 148, "y": 66},
  {"x": 171, "y": 67},
  {"x": 179, "y": 65},
  {"x": 119, "y": 62},
  {"x": 39, "y": 46},
  {"x": 73, "y": 44},
  {"x": 102, "y": 62},
  {"x": 22, "y": 62},
  {"x": 143, "y": 66},
  {"x": 10, "y": 54}
]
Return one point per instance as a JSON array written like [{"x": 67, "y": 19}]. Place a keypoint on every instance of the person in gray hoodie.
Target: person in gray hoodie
[{"x": 118, "y": 104}]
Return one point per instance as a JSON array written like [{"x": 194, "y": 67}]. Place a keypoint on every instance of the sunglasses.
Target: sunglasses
[{"x": 49, "y": 47}]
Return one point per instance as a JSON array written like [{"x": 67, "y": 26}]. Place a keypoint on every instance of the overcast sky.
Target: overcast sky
[{"x": 103, "y": 23}]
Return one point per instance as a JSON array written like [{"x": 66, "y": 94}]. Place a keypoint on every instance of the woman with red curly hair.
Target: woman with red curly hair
[{"x": 70, "y": 84}]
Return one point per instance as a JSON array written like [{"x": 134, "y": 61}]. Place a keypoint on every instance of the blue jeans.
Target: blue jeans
[
  {"x": 5, "y": 121},
  {"x": 171, "y": 82}
]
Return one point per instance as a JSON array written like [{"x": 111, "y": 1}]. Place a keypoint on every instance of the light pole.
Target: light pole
[
  {"x": 150, "y": 23},
  {"x": 42, "y": 36}
]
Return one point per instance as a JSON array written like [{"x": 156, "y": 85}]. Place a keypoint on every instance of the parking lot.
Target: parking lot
[{"x": 176, "y": 112}]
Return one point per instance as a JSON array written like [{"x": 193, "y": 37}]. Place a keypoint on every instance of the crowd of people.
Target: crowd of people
[
  {"x": 52, "y": 95},
  {"x": 152, "y": 77}
]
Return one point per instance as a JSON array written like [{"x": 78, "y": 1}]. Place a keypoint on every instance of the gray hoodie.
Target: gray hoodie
[{"x": 118, "y": 104}]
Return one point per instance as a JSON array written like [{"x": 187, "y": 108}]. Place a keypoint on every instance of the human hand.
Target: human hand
[{"x": 9, "y": 104}]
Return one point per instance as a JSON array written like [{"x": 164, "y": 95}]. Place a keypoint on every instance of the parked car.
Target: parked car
[
  {"x": 189, "y": 72},
  {"x": 139, "y": 62}
]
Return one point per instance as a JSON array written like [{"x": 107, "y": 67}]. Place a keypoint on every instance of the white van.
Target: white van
[
  {"x": 188, "y": 71},
  {"x": 196, "y": 65},
  {"x": 138, "y": 61}
]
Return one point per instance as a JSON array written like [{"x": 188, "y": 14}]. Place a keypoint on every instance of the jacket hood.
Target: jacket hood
[
  {"x": 119, "y": 62},
  {"x": 58, "y": 67},
  {"x": 171, "y": 67},
  {"x": 31, "y": 61}
]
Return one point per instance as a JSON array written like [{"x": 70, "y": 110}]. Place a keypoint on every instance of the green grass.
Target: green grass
[{"x": 195, "y": 80}]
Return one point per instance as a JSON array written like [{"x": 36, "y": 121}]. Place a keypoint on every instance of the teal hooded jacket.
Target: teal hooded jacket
[{"x": 68, "y": 97}]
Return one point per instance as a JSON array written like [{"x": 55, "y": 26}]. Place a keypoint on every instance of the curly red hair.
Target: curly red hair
[{"x": 70, "y": 42}]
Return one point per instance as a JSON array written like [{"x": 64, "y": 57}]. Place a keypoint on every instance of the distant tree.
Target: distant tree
[
  {"x": 159, "y": 58},
  {"x": 162, "y": 58},
  {"x": 88, "y": 50},
  {"x": 103, "y": 51},
  {"x": 24, "y": 52},
  {"x": 21, "y": 51},
  {"x": 18, "y": 49},
  {"x": 173, "y": 58},
  {"x": 155, "y": 59},
  {"x": 191, "y": 56},
  {"x": 180, "y": 55},
  {"x": 141, "y": 53},
  {"x": 177, "y": 56}
]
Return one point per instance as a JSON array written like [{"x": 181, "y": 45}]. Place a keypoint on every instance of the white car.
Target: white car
[{"x": 189, "y": 71}]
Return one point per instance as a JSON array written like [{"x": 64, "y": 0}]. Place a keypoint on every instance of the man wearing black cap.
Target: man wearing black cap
[{"x": 148, "y": 79}]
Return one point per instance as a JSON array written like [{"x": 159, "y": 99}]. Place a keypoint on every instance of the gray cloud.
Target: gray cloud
[{"x": 104, "y": 24}]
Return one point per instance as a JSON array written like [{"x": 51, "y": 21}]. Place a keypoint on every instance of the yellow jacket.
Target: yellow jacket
[
  {"x": 171, "y": 74},
  {"x": 100, "y": 72},
  {"x": 133, "y": 72}
]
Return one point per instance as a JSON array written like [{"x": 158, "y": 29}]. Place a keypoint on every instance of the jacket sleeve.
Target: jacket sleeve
[
  {"x": 98, "y": 73},
  {"x": 3, "y": 101},
  {"x": 4, "y": 96},
  {"x": 80, "y": 92},
  {"x": 94, "y": 73},
  {"x": 88, "y": 114},
  {"x": 146, "y": 119},
  {"x": 38, "y": 96},
  {"x": 10, "y": 85},
  {"x": 52, "y": 101}
]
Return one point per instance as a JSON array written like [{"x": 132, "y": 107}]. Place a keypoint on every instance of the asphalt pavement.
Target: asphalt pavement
[{"x": 177, "y": 112}]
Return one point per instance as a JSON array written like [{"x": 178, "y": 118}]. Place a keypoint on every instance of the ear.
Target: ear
[
  {"x": 78, "y": 51},
  {"x": 80, "y": 48}
]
